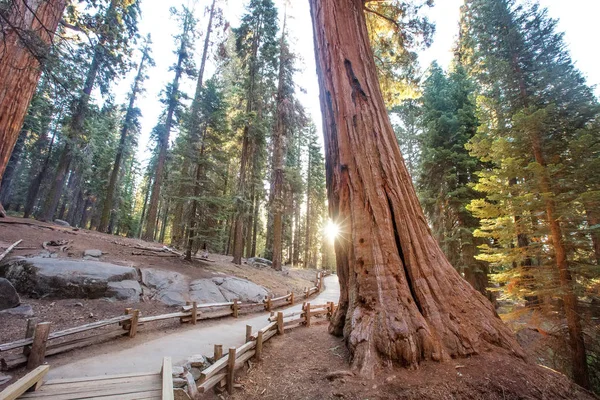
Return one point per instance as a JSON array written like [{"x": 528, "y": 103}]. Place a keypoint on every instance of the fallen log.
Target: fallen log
[{"x": 12, "y": 246}]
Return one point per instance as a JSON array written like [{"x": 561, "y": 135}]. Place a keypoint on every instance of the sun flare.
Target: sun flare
[{"x": 331, "y": 231}]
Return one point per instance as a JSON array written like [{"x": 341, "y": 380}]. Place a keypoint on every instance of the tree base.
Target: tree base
[{"x": 2, "y": 212}]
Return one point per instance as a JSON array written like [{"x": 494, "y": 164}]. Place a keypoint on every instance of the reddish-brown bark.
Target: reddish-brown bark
[
  {"x": 279, "y": 155},
  {"x": 27, "y": 29},
  {"x": 570, "y": 305},
  {"x": 401, "y": 300}
]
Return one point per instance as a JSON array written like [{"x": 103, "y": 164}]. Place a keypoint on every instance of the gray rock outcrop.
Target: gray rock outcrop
[
  {"x": 206, "y": 291},
  {"x": 241, "y": 289},
  {"x": 58, "y": 278},
  {"x": 125, "y": 290},
  {"x": 170, "y": 288},
  {"x": 9, "y": 297}
]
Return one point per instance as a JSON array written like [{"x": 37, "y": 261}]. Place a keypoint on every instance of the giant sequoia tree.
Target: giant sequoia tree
[
  {"x": 26, "y": 30},
  {"x": 401, "y": 300}
]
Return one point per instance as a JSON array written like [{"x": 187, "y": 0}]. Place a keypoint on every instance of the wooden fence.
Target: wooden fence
[
  {"x": 39, "y": 342},
  {"x": 222, "y": 372}
]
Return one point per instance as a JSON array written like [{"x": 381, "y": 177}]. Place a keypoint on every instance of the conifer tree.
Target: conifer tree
[
  {"x": 207, "y": 203},
  {"x": 115, "y": 28},
  {"x": 193, "y": 128},
  {"x": 537, "y": 105},
  {"x": 315, "y": 198},
  {"x": 256, "y": 45},
  {"x": 184, "y": 65},
  {"x": 130, "y": 123},
  {"x": 447, "y": 171}
]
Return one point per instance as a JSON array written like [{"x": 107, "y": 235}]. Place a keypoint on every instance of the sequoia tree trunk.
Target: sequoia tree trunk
[
  {"x": 279, "y": 157},
  {"x": 26, "y": 30},
  {"x": 401, "y": 301}
]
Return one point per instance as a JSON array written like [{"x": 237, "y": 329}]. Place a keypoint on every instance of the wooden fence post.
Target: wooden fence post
[
  {"x": 194, "y": 313},
  {"x": 29, "y": 331},
  {"x": 218, "y": 352},
  {"x": 248, "y": 333},
  {"x": 38, "y": 348},
  {"x": 292, "y": 298},
  {"x": 269, "y": 304},
  {"x": 134, "y": 323},
  {"x": 307, "y": 314},
  {"x": 230, "y": 369},
  {"x": 259, "y": 344},
  {"x": 235, "y": 307},
  {"x": 126, "y": 323},
  {"x": 280, "y": 330},
  {"x": 306, "y": 293}
]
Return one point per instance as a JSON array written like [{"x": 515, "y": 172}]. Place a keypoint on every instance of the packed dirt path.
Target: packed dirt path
[{"x": 147, "y": 356}]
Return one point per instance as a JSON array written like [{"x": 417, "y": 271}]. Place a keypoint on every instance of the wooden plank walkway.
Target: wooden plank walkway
[{"x": 118, "y": 387}]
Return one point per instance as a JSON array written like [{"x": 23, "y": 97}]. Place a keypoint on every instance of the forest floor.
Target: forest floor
[
  {"x": 309, "y": 363},
  {"x": 121, "y": 251}
]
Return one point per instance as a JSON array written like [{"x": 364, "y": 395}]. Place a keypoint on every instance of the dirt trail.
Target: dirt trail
[{"x": 144, "y": 354}]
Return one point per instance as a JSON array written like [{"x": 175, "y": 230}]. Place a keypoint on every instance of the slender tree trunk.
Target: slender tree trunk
[
  {"x": 127, "y": 125},
  {"x": 197, "y": 186},
  {"x": 576, "y": 340},
  {"x": 36, "y": 182},
  {"x": 26, "y": 30},
  {"x": 250, "y": 222},
  {"x": 308, "y": 191},
  {"x": 194, "y": 129},
  {"x": 279, "y": 157},
  {"x": 163, "y": 225},
  {"x": 255, "y": 226},
  {"x": 11, "y": 169},
  {"x": 139, "y": 233},
  {"x": 297, "y": 234},
  {"x": 238, "y": 231},
  {"x": 401, "y": 300},
  {"x": 163, "y": 144}
]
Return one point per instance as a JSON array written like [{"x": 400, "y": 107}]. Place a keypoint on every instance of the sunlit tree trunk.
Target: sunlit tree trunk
[
  {"x": 26, "y": 30},
  {"x": 401, "y": 300}
]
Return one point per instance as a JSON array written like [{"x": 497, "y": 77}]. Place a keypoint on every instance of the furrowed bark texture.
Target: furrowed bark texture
[
  {"x": 27, "y": 28},
  {"x": 401, "y": 300}
]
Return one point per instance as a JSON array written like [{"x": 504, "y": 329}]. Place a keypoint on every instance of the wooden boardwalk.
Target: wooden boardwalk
[
  {"x": 140, "y": 386},
  {"x": 118, "y": 387}
]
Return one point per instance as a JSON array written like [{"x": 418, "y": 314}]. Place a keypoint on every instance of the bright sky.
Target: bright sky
[{"x": 577, "y": 20}]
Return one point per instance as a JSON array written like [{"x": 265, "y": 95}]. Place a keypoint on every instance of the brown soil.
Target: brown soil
[{"x": 297, "y": 365}]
